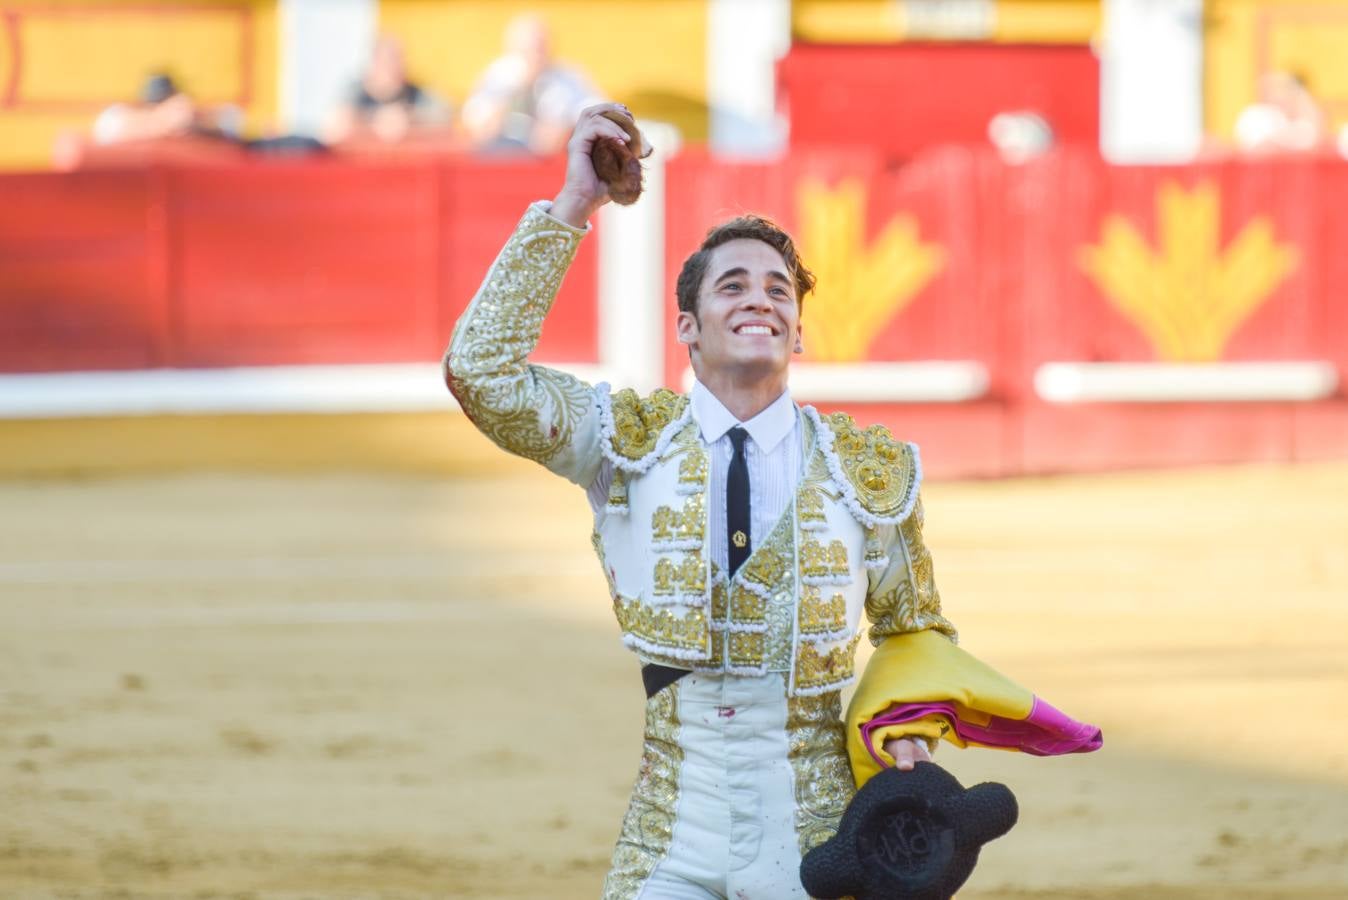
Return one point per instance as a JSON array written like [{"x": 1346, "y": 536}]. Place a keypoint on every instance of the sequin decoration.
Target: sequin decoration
[
  {"x": 527, "y": 410},
  {"x": 820, "y": 618},
  {"x": 913, "y": 604},
  {"x": 639, "y": 421},
  {"x": 719, "y": 607},
  {"x": 746, "y": 650},
  {"x": 662, "y": 631},
  {"x": 617, "y": 493},
  {"x": 715, "y": 662},
  {"x": 679, "y": 577},
  {"x": 648, "y": 825},
  {"x": 781, "y": 624},
  {"x": 821, "y": 564},
  {"x": 693, "y": 471},
  {"x": 818, "y": 754},
  {"x": 746, "y": 607},
  {"x": 663, "y": 522},
  {"x": 883, "y": 471},
  {"x": 816, "y": 671},
  {"x": 810, "y": 509},
  {"x": 679, "y": 528},
  {"x": 767, "y": 565}
]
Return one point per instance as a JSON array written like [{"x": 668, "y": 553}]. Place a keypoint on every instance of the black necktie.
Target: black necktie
[{"x": 737, "y": 501}]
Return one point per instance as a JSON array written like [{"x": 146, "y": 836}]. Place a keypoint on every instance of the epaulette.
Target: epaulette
[
  {"x": 637, "y": 429},
  {"x": 879, "y": 475}
]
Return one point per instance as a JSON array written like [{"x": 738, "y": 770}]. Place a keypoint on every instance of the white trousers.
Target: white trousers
[{"x": 735, "y": 780}]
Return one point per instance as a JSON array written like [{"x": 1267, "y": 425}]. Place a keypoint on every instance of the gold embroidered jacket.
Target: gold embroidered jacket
[{"x": 851, "y": 538}]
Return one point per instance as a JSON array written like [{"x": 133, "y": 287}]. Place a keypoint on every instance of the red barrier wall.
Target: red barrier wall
[
  {"x": 81, "y": 265},
  {"x": 951, "y": 257},
  {"x": 282, "y": 263}
]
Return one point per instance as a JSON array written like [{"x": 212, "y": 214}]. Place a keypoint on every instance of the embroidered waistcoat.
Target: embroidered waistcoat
[{"x": 796, "y": 603}]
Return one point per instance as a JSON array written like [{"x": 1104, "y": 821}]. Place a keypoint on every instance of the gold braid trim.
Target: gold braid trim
[
  {"x": 648, "y": 826},
  {"x": 818, "y": 755},
  {"x": 638, "y": 423},
  {"x": 915, "y": 603},
  {"x": 884, "y": 474}
]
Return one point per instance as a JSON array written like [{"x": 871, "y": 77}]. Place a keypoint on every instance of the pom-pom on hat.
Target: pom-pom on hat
[{"x": 908, "y": 836}]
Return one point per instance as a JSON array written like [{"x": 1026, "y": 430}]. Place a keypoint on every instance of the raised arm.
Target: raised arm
[{"x": 532, "y": 411}]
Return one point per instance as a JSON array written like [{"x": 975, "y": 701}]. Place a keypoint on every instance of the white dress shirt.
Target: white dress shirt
[{"x": 773, "y": 453}]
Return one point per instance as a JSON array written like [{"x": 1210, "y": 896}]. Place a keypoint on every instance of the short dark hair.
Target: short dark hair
[
  {"x": 754, "y": 228},
  {"x": 158, "y": 87}
]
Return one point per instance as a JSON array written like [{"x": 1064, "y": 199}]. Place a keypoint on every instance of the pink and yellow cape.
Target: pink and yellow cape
[{"x": 921, "y": 684}]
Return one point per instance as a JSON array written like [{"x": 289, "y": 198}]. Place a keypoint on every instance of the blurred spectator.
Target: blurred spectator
[
  {"x": 385, "y": 104},
  {"x": 525, "y": 100},
  {"x": 1020, "y": 135},
  {"x": 1286, "y": 118},
  {"x": 162, "y": 110}
]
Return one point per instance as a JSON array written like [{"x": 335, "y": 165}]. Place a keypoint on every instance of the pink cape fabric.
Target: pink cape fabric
[{"x": 1047, "y": 731}]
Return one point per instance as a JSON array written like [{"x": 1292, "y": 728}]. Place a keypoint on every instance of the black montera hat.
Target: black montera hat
[{"x": 908, "y": 836}]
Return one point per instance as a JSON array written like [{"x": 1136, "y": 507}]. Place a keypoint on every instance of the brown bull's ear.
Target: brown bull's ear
[
  {"x": 638, "y": 145},
  {"x": 619, "y": 165}
]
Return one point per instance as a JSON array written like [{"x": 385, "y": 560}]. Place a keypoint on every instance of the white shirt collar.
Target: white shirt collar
[{"x": 767, "y": 429}]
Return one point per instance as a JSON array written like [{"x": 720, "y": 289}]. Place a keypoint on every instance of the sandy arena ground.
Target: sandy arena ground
[{"x": 395, "y": 686}]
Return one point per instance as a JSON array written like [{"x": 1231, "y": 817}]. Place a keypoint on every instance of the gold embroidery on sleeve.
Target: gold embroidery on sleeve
[
  {"x": 914, "y": 604},
  {"x": 528, "y": 410}
]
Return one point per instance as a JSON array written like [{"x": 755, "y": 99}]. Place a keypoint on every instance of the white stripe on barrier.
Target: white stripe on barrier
[
  {"x": 1229, "y": 382},
  {"x": 934, "y": 381},
  {"x": 395, "y": 387}
]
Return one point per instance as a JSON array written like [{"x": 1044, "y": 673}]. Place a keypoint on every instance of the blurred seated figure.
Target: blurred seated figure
[
  {"x": 1286, "y": 118},
  {"x": 163, "y": 110},
  {"x": 386, "y": 105},
  {"x": 1020, "y": 135},
  {"x": 525, "y": 101}
]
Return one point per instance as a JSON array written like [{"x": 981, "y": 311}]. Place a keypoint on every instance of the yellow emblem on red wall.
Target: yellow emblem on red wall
[
  {"x": 861, "y": 287},
  {"x": 1189, "y": 294}
]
